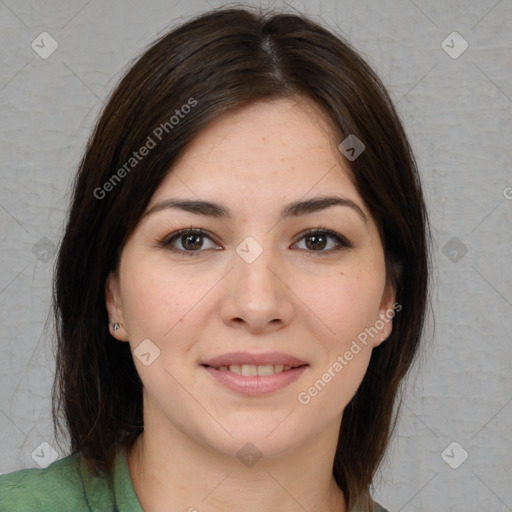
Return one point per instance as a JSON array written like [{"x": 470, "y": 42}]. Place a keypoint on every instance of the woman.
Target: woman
[{"x": 242, "y": 281}]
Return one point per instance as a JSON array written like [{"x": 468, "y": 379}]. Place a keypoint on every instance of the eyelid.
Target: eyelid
[
  {"x": 342, "y": 241},
  {"x": 167, "y": 240}
]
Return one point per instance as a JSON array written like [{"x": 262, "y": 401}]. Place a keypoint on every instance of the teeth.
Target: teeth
[
  {"x": 251, "y": 370},
  {"x": 268, "y": 369}
]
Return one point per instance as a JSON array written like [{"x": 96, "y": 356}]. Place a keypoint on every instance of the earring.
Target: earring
[
  {"x": 386, "y": 334},
  {"x": 116, "y": 327}
]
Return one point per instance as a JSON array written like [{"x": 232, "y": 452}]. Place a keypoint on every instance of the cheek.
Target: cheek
[
  {"x": 346, "y": 304},
  {"x": 351, "y": 309},
  {"x": 165, "y": 305},
  {"x": 347, "y": 310},
  {"x": 155, "y": 298},
  {"x": 156, "y": 305}
]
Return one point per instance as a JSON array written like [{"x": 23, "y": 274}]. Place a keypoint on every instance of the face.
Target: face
[{"x": 253, "y": 274}]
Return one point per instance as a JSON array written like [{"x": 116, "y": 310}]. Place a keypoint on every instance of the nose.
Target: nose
[{"x": 257, "y": 296}]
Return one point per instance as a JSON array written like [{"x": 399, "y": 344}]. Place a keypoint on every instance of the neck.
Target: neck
[{"x": 171, "y": 471}]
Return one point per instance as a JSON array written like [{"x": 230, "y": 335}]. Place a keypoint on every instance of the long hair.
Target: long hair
[{"x": 217, "y": 62}]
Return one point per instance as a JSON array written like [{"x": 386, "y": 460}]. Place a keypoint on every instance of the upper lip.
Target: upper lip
[{"x": 274, "y": 358}]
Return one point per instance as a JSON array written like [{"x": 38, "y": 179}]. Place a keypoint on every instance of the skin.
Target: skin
[{"x": 305, "y": 300}]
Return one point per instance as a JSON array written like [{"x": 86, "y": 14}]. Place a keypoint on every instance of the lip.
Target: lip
[
  {"x": 274, "y": 358},
  {"x": 256, "y": 385}
]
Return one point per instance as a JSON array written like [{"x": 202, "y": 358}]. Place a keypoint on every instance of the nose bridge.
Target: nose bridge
[
  {"x": 257, "y": 294},
  {"x": 253, "y": 260}
]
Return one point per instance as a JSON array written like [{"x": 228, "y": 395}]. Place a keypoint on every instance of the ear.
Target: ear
[
  {"x": 387, "y": 310},
  {"x": 115, "y": 313}
]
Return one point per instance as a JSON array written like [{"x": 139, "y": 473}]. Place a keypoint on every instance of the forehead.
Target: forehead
[{"x": 267, "y": 152}]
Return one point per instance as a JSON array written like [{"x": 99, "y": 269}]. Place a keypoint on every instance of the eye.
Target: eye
[
  {"x": 317, "y": 240},
  {"x": 191, "y": 241}
]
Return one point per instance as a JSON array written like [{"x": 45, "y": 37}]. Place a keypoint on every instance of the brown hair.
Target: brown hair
[{"x": 217, "y": 62}]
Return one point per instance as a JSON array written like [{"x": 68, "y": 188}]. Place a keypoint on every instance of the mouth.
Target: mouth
[
  {"x": 255, "y": 374},
  {"x": 252, "y": 370},
  {"x": 279, "y": 361}
]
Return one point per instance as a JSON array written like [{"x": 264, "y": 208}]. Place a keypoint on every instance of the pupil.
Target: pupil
[
  {"x": 191, "y": 238},
  {"x": 316, "y": 244}
]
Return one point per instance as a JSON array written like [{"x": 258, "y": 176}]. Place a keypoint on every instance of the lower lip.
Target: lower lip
[{"x": 258, "y": 384}]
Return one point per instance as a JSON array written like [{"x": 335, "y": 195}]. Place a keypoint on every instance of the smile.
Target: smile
[
  {"x": 255, "y": 380},
  {"x": 250, "y": 370}
]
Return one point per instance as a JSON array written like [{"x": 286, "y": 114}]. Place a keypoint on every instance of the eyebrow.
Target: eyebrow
[{"x": 295, "y": 209}]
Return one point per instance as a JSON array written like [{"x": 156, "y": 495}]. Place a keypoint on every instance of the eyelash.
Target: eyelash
[{"x": 340, "y": 239}]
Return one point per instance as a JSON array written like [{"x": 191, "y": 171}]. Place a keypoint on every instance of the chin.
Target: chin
[{"x": 254, "y": 439}]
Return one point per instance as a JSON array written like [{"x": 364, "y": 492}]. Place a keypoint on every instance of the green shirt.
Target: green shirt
[{"x": 66, "y": 486}]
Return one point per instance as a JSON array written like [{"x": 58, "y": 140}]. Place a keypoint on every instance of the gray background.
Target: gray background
[{"x": 457, "y": 112}]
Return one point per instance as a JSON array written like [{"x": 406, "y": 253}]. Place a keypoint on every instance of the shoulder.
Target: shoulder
[{"x": 55, "y": 488}]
